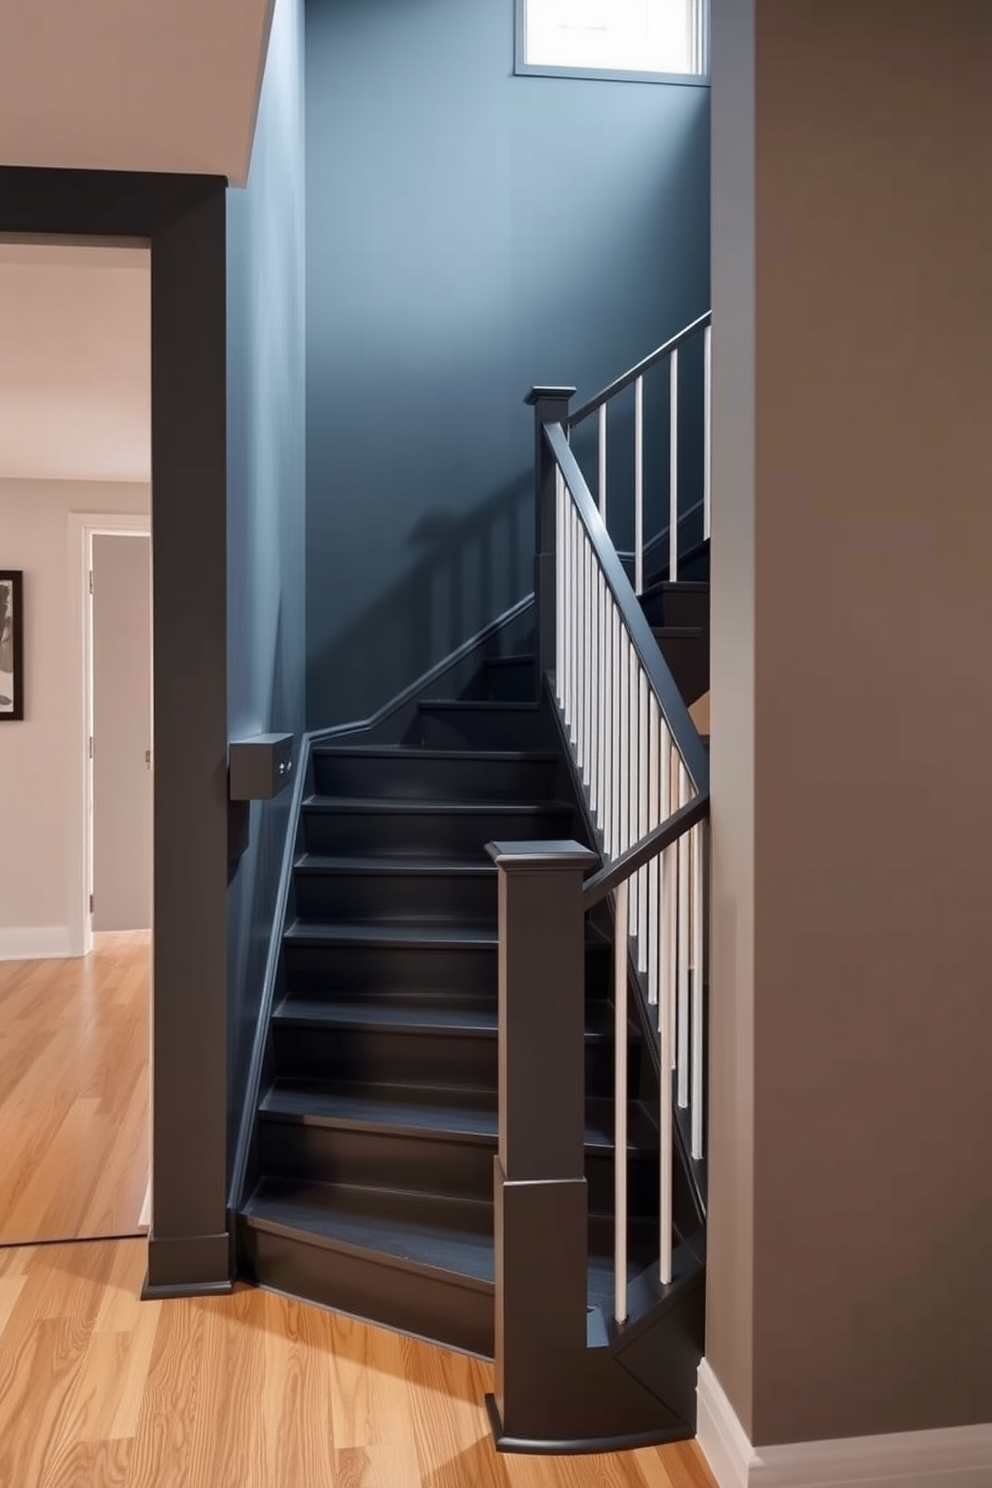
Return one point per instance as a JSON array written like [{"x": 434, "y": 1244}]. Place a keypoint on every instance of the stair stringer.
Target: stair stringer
[{"x": 501, "y": 637}]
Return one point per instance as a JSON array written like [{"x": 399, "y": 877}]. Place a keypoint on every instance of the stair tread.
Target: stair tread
[
  {"x": 397, "y": 933},
  {"x": 382, "y": 1220},
  {"x": 392, "y": 1222},
  {"x": 480, "y": 705},
  {"x": 469, "y": 1114},
  {"x": 412, "y": 933},
  {"x": 481, "y": 1016},
  {"x": 468, "y": 1015},
  {"x": 677, "y": 632},
  {"x": 369, "y": 863},
  {"x": 446, "y": 807},
  {"x": 401, "y": 751}
]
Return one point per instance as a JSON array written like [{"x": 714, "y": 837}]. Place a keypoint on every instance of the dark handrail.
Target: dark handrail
[
  {"x": 635, "y": 372},
  {"x": 681, "y": 821},
  {"x": 684, "y": 732}
]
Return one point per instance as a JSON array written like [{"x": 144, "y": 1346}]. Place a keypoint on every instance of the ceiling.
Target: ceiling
[
  {"x": 75, "y": 362},
  {"x": 144, "y": 85}
]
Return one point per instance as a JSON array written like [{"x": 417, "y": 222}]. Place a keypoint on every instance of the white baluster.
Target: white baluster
[
  {"x": 597, "y": 693},
  {"x": 639, "y": 486},
  {"x": 565, "y": 538},
  {"x": 684, "y": 889},
  {"x": 560, "y": 610},
  {"x": 623, "y": 840},
  {"x": 643, "y": 821},
  {"x": 620, "y": 1106},
  {"x": 707, "y": 426},
  {"x": 634, "y": 707},
  {"x": 602, "y": 698},
  {"x": 602, "y": 461},
  {"x": 665, "y": 1132},
  {"x": 698, "y": 1030},
  {"x": 584, "y": 608},
  {"x": 654, "y": 915},
  {"x": 634, "y": 771},
  {"x": 570, "y": 529},
  {"x": 617, "y": 724},
  {"x": 673, "y": 479}
]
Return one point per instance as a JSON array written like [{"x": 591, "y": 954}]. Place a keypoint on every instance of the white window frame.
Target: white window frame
[{"x": 523, "y": 67}]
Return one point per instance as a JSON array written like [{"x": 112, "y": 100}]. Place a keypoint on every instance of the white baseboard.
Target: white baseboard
[
  {"x": 36, "y": 943},
  {"x": 960, "y": 1457}
]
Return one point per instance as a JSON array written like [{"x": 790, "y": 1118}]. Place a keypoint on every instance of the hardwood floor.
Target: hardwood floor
[
  {"x": 98, "y": 1390},
  {"x": 74, "y": 1119}
]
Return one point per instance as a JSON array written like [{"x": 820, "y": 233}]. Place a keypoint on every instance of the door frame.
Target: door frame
[
  {"x": 83, "y": 527},
  {"x": 184, "y": 218}
]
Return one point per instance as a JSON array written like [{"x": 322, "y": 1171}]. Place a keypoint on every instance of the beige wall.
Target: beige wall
[
  {"x": 39, "y": 776},
  {"x": 849, "y": 1286}
]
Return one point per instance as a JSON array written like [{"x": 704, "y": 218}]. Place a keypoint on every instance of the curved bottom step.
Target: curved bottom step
[{"x": 419, "y": 1263}]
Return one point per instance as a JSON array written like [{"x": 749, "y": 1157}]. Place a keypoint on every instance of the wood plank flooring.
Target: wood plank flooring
[
  {"x": 99, "y": 1390},
  {"x": 74, "y": 1119}
]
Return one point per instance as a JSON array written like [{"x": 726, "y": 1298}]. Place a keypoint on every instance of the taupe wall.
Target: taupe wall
[{"x": 849, "y": 1287}]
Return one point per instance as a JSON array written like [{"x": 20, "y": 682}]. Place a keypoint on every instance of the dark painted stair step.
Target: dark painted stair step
[
  {"x": 687, "y": 652},
  {"x": 504, "y": 679},
  {"x": 372, "y": 1253},
  {"x": 424, "y": 1263},
  {"x": 369, "y": 888},
  {"x": 434, "y": 774},
  {"x": 479, "y": 724},
  {"x": 677, "y": 604},
  {"x": 362, "y": 1041},
  {"x": 438, "y": 1140},
  {"x": 443, "y": 829}
]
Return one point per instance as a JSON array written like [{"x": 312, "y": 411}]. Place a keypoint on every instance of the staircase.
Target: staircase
[
  {"x": 376, "y": 1172},
  {"x": 376, "y": 1126}
]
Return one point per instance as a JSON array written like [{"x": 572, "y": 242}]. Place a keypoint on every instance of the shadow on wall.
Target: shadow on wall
[{"x": 466, "y": 569}]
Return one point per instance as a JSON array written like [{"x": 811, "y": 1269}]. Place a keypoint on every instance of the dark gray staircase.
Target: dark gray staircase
[
  {"x": 679, "y": 616},
  {"x": 370, "y": 1181}
]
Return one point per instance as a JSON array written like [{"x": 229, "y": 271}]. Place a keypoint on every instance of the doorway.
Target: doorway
[{"x": 75, "y": 1012}]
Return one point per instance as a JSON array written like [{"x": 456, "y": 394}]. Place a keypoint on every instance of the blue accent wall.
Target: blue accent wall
[
  {"x": 266, "y": 501},
  {"x": 469, "y": 233}
]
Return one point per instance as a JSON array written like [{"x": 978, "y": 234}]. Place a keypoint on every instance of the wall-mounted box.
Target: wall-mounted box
[{"x": 260, "y": 767}]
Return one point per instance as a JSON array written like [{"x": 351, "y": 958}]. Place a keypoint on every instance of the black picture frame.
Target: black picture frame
[{"x": 11, "y": 645}]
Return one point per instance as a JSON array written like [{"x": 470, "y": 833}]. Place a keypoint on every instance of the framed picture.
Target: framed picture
[{"x": 11, "y": 644}]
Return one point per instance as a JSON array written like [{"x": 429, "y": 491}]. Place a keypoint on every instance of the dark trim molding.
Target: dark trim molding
[
  {"x": 190, "y": 1266},
  {"x": 183, "y": 218}
]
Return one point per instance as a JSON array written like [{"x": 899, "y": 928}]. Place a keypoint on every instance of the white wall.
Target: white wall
[{"x": 39, "y": 771}]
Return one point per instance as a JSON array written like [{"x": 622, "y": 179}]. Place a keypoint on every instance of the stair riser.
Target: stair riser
[
  {"x": 409, "y": 777},
  {"x": 457, "y": 1316},
  {"x": 511, "y": 681},
  {"x": 388, "y": 1056},
  {"x": 319, "y": 971},
  {"x": 689, "y": 662},
  {"x": 679, "y": 606},
  {"x": 466, "y": 728},
  {"x": 427, "y": 834},
  {"x": 439, "y": 1165},
  {"x": 347, "y": 898}
]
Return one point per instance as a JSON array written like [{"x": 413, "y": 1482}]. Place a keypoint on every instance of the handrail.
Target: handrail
[
  {"x": 672, "y": 344},
  {"x": 651, "y": 846},
  {"x": 684, "y": 732}
]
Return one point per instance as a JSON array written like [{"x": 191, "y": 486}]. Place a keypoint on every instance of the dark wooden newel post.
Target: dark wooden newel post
[
  {"x": 550, "y": 405},
  {"x": 541, "y": 1202}
]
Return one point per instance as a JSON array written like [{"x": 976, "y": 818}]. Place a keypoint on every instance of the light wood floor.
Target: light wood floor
[
  {"x": 74, "y": 1120},
  {"x": 99, "y": 1390}
]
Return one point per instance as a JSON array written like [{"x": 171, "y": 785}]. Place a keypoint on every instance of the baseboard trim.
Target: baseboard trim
[
  {"x": 188, "y": 1266},
  {"x": 36, "y": 943},
  {"x": 957, "y": 1457}
]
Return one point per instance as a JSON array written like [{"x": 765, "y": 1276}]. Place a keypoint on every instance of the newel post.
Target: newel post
[
  {"x": 550, "y": 405},
  {"x": 541, "y": 1203}
]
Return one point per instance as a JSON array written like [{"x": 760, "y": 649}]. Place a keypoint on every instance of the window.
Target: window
[{"x": 638, "y": 39}]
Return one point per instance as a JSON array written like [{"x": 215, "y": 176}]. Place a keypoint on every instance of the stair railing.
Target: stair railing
[
  {"x": 645, "y": 773},
  {"x": 600, "y": 404}
]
